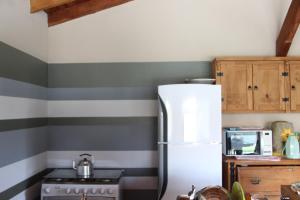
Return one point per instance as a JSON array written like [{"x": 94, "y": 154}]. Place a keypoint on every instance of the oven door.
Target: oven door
[{"x": 78, "y": 198}]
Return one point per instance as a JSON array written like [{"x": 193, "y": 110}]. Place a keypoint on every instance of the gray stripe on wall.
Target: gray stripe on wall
[
  {"x": 140, "y": 194},
  {"x": 20, "y": 187},
  {"x": 13, "y": 88},
  {"x": 110, "y": 121},
  {"x": 13, "y": 124},
  {"x": 109, "y": 134},
  {"x": 100, "y": 138},
  {"x": 103, "y": 93},
  {"x": 20, "y": 66},
  {"x": 124, "y": 74},
  {"x": 141, "y": 172},
  {"x": 17, "y": 145}
]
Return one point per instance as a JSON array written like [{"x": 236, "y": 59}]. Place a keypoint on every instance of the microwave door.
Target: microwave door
[{"x": 244, "y": 143}]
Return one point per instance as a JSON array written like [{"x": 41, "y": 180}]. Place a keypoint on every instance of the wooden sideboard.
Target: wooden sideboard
[{"x": 260, "y": 177}]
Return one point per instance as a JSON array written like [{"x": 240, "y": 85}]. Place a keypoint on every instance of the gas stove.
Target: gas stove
[{"x": 65, "y": 184}]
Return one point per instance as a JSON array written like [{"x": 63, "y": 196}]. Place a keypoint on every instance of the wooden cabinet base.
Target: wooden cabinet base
[{"x": 261, "y": 177}]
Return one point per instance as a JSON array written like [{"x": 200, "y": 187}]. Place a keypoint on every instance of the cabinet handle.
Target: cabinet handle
[
  {"x": 249, "y": 87},
  {"x": 293, "y": 87},
  {"x": 255, "y": 87},
  {"x": 255, "y": 181}
]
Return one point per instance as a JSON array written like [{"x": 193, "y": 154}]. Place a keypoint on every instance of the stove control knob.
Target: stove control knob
[
  {"x": 85, "y": 190},
  {"x": 110, "y": 191},
  {"x": 93, "y": 191},
  {"x": 101, "y": 191},
  {"x": 47, "y": 190},
  {"x": 68, "y": 191},
  {"x": 76, "y": 191}
]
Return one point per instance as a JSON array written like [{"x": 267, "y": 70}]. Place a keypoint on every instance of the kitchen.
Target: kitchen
[{"x": 89, "y": 85}]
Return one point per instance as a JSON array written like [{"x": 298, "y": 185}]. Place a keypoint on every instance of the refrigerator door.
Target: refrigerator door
[{"x": 192, "y": 114}]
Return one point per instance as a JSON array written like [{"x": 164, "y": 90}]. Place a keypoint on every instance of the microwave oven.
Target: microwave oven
[{"x": 247, "y": 142}]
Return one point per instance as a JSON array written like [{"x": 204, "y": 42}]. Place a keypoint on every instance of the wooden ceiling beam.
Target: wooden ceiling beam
[
  {"x": 78, "y": 9},
  {"x": 288, "y": 29},
  {"x": 38, "y": 5}
]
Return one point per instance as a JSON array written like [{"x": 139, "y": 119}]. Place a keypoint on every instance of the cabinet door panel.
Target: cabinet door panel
[
  {"x": 268, "y": 86},
  {"x": 295, "y": 85},
  {"x": 236, "y": 86}
]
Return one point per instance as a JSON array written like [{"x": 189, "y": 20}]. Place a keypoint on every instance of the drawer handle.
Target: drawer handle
[{"x": 255, "y": 181}]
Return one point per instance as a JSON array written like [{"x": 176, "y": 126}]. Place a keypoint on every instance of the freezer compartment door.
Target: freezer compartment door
[{"x": 191, "y": 113}]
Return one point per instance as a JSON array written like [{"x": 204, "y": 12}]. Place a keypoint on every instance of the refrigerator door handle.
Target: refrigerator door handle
[
  {"x": 162, "y": 142},
  {"x": 163, "y": 167}
]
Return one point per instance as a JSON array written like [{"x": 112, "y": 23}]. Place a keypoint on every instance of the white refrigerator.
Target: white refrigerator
[{"x": 189, "y": 140}]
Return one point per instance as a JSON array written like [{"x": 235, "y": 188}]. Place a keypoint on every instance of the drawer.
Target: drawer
[{"x": 267, "y": 180}]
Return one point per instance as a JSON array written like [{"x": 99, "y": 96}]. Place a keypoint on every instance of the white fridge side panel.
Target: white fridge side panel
[{"x": 199, "y": 165}]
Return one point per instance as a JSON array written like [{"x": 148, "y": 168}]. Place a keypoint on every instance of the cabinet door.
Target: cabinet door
[
  {"x": 236, "y": 81},
  {"x": 295, "y": 85},
  {"x": 268, "y": 87}
]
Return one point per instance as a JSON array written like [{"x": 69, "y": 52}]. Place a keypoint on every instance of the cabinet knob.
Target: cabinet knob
[
  {"x": 293, "y": 87},
  {"x": 249, "y": 87},
  {"x": 255, "y": 87}
]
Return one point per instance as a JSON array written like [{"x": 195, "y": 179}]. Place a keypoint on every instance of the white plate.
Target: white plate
[{"x": 203, "y": 80}]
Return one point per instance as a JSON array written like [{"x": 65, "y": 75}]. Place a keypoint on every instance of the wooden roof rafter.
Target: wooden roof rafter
[
  {"x": 60, "y": 11},
  {"x": 288, "y": 29}
]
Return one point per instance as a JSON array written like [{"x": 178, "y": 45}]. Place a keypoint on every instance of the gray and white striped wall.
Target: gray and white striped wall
[
  {"x": 49, "y": 114},
  {"x": 23, "y": 123}
]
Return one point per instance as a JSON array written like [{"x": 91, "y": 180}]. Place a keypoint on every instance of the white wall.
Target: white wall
[
  {"x": 22, "y": 30},
  {"x": 171, "y": 30},
  {"x": 260, "y": 120}
]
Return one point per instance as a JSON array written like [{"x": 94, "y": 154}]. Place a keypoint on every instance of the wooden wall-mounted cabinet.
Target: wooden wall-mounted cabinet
[{"x": 269, "y": 84}]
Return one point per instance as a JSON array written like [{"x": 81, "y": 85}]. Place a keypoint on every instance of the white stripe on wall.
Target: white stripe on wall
[
  {"x": 17, "y": 172},
  {"x": 113, "y": 159},
  {"x": 30, "y": 193},
  {"x": 16, "y": 108},
  {"x": 140, "y": 183},
  {"x": 103, "y": 108}
]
